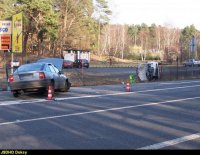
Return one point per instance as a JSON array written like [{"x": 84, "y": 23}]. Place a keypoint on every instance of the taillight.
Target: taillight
[
  {"x": 41, "y": 75},
  {"x": 11, "y": 78}
]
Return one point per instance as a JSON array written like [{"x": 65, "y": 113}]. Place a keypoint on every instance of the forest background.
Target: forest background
[{"x": 52, "y": 26}]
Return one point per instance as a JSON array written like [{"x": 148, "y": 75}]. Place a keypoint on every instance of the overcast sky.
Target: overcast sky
[{"x": 176, "y": 13}]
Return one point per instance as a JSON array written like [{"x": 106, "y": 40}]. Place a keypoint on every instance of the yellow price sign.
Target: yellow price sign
[{"x": 17, "y": 34}]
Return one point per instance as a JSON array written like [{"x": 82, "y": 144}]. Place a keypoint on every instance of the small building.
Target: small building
[{"x": 74, "y": 54}]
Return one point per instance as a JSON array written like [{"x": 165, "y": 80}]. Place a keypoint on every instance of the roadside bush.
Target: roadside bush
[{"x": 152, "y": 56}]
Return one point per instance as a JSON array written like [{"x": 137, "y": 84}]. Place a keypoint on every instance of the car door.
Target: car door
[
  {"x": 61, "y": 78},
  {"x": 55, "y": 76}
]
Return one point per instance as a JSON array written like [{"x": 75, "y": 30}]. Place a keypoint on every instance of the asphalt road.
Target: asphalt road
[{"x": 158, "y": 115}]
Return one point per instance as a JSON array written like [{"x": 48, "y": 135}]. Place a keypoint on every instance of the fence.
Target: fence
[{"x": 183, "y": 73}]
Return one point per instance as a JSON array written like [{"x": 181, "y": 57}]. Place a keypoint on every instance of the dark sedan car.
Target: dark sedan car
[
  {"x": 68, "y": 64},
  {"x": 38, "y": 77},
  {"x": 79, "y": 63}
]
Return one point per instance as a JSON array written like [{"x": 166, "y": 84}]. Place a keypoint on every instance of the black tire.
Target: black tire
[
  {"x": 67, "y": 86},
  {"x": 42, "y": 91},
  {"x": 64, "y": 89},
  {"x": 16, "y": 94}
]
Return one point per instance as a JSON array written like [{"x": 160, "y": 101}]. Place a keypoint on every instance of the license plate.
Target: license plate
[{"x": 26, "y": 76}]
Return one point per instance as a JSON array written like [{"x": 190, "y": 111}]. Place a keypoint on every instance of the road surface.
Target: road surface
[{"x": 158, "y": 115}]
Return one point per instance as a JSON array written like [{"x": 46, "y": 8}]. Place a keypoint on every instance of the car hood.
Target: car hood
[{"x": 58, "y": 62}]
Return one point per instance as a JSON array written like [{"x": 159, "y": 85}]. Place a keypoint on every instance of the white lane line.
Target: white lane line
[
  {"x": 7, "y": 103},
  {"x": 96, "y": 111},
  {"x": 171, "y": 142},
  {"x": 179, "y": 82},
  {"x": 125, "y": 93}
]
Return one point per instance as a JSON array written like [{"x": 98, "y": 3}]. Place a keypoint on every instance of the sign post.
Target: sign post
[
  {"x": 5, "y": 40},
  {"x": 193, "y": 46}
]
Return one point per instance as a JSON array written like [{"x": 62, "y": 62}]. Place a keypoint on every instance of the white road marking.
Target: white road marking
[
  {"x": 167, "y": 83},
  {"x": 125, "y": 93},
  {"x": 8, "y": 103},
  {"x": 96, "y": 111},
  {"x": 179, "y": 82},
  {"x": 171, "y": 142}
]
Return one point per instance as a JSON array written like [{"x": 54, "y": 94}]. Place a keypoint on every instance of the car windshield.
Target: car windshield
[
  {"x": 30, "y": 67},
  {"x": 77, "y": 60}
]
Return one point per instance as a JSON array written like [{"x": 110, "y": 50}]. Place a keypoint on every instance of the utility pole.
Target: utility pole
[
  {"x": 99, "y": 35},
  {"x": 181, "y": 51},
  {"x": 12, "y": 62},
  {"x": 193, "y": 47},
  {"x": 177, "y": 68}
]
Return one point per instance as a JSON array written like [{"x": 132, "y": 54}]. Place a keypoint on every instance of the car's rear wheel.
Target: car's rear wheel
[
  {"x": 42, "y": 91},
  {"x": 16, "y": 93}
]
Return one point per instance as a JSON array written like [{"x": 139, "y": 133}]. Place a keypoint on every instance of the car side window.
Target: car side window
[
  {"x": 51, "y": 68},
  {"x": 47, "y": 68},
  {"x": 56, "y": 69}
]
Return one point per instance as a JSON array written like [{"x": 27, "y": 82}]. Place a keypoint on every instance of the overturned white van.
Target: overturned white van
[{"x": 148, "y": 71}]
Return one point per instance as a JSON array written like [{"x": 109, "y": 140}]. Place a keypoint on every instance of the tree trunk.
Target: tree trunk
[
  {"x": 99, "y": 37},
  {"x": 25, "y": 41}
]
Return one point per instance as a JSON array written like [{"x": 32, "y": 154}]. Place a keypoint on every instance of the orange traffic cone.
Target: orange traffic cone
[
  {"x": 50, "y": 96},
  {"x": 128, "y": 87}
]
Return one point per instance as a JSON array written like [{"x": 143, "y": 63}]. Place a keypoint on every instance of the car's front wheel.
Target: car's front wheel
[{"x": 67, "y": 86}]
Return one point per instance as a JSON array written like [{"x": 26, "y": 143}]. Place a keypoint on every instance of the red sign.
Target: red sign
[{"x": 5, "y": 41}]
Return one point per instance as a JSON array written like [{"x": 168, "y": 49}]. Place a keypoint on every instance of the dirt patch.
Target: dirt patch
[{"x": 92, "y": 79}]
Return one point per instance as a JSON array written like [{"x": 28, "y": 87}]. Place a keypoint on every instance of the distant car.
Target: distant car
[
  {"x": 14, "y": 64},
  {"x": 79, "y": 63},
  {"x": 192, "y": 62},
  {"x": 38, "y": 77},
  {"x": 68, "y": 64},
  {"x": 85, "y": 63}
]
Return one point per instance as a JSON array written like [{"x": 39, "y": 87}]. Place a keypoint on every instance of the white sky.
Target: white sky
[{"x": 176, "y": 13}]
